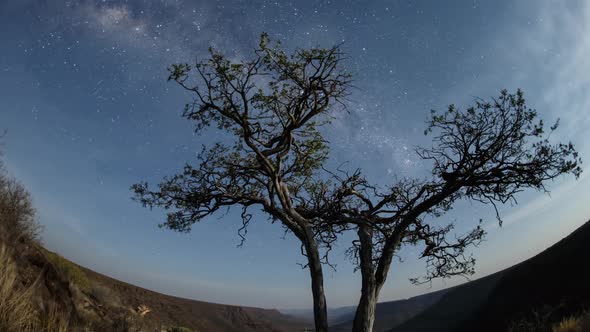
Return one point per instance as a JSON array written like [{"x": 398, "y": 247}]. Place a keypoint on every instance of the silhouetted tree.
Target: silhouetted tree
[
  {"x": 487, "y": 153},
  {"x": 270, "y": 109}
]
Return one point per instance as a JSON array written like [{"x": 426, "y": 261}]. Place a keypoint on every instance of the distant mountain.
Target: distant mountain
[
  {"x": 388, "y": 314},
  {"x": 335, "y": 315},
  {"x": 553, "y": 284}
]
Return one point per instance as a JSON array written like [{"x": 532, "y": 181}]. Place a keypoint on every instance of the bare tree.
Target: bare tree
[
  {"x": 270, "y": 108},
  {"x": 487, "y": 153},
  {"x": 17, "y": 215}
]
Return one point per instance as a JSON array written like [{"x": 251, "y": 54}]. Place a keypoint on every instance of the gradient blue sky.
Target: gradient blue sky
[{"x": 88, "y": 111}]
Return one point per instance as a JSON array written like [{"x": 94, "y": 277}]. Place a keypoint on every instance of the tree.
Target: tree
[
  {"x": 270, "y": 108},
  {"x": 17, "y": 215},
  {"x": 487, "y": 153}
]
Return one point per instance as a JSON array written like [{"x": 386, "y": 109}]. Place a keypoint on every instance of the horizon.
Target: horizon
[{"x": 88, "y": 112}]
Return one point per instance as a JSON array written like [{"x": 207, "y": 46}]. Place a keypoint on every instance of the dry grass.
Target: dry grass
[
  {"x": 574, "y": 324},
  {"x": 54, "y": 321},
  {"x": 569, "y": 324},
  {"x": 17, "y": 312},
  {"x": 18, "y": 227}
]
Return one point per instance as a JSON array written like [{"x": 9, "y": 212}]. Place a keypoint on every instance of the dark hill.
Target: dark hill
[
  {"x": 456, "y": 306},
  {"x": 554, "y": 283}
]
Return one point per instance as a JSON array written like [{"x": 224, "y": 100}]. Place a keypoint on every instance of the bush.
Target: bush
[{"x": 17, "y": 215}]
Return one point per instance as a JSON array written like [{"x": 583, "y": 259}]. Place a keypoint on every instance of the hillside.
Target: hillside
[
  {"x": 100, "y": 303},
  {"x": 555, "y": 283},
  {"x": 40, "y": 291},
  {"x": 551, "y": 285},
  {"x": 197, "y": 315},
  {"x": 453, "y": 308}
]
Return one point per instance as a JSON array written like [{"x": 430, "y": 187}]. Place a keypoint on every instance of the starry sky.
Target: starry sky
[{"x": 88, "y": 112}]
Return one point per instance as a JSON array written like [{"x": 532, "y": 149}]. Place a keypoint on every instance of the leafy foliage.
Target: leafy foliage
[
  {"x": 487, "y": 153},
  {"x": 272, "y": 106},
  {"x": 496, "y": 149}
]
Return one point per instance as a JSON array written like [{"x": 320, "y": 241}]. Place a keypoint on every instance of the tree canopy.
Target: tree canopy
[{"x": 273, "y": 106}]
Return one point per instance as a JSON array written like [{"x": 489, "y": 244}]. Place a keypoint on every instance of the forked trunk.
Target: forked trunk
[{"x": 365, "y": 311}]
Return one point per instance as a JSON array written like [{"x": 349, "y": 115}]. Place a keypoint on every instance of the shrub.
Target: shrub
[{"x": 17, "y": 215}]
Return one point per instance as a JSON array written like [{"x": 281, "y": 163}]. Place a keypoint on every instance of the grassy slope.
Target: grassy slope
[
  {"x": 203, "y": 316},
  {"x": 103, "y": 303}
]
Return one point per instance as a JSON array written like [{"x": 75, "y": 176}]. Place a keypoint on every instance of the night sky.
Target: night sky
[{"x": 88, "y": 112}]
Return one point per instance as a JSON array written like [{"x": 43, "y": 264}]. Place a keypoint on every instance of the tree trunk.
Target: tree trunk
[
  {"x": 320, "y": 312},
  {"x": 365, "y": 311},
  {"x": 306, "y": 236}
]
